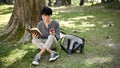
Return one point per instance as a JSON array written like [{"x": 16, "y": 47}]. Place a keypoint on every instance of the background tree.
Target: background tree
[
  {"x": 49, "y": 2},
  {"x": 7, "y": 1},
  {"x": 2, "y": 1},
  {"x": 67, "y": 2},
  {"x": 81, "y": 2},
  {"x": 63, "y": 2},
  {"x": 92, "y": 2},
  {"x": 103, "y": 1},
  {"x": 26, "y": 14}
]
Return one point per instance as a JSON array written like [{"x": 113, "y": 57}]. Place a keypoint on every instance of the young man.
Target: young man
[{"x": 50, "y": 34}]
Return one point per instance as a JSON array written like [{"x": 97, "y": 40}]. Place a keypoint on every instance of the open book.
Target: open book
[{"x": 34, "y": 30}]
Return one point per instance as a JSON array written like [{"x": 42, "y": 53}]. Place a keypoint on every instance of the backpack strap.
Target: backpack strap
[
  {"x": 73, "y": 48},
  {"x": 60, "y": 42},
  {"x": 80, "y": 46},
  {"x": 76, "y": 48},
  {"x": 68, "y": 44}
]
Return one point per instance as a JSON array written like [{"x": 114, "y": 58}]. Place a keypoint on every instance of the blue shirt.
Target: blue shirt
[{"x": 45, "y": 31}]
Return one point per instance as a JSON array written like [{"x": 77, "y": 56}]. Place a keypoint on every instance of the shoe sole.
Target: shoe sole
[
  {"x": 35, "y": 63},
  {"x": 53, "y": 58}
]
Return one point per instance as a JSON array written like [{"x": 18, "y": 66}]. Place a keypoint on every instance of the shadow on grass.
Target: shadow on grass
[
  {"x": 25, "y": 61},
  {"x": 93, "y": 57},
  {"x": 9, "y": 49},
  {"x": 90, "y": 25},
  {"x": 2, "y": 26}
]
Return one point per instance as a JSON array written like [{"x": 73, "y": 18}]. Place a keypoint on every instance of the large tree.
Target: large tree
[
  {"x": 2, "y": 1},
  {"x": 7, "y": 1},
  {"x": 26, "y": 14},
  {"x": 81, "y": 2},
  {"x": 63, "y": 2}
]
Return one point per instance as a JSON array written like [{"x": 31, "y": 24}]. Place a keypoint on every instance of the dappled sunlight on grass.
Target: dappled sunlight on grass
[
  {"x": 84, "y": 26},
  {"x": 5, "y": 14},
  {"x": 90, "y": 23},
  {"x": 5, "y": 18},
  {"x": 104, "y": 25},
  {"x": 67, "y": 23},
  {"x": 67, "y": 9},
  {"x": 5, "y": 9},
  {"x": 83, "y": 17},
  {"x": 15, "y": 54},
  {"x": 87, "y": 24},
  {"x": 92, "y": 61}
]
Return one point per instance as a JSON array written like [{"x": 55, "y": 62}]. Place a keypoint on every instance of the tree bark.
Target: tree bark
[
  {"x": 49, "y": 2},
  {"x": 2, "y": 1},
  {"x": 81, "y": 2},
  {"x": 92, "y": 2},
  {"x": 63, "y": 2},
  {"x": 26, "y": 14},
  {"x": 9, "y": 1},
  {"x": 103, "y": 1}
]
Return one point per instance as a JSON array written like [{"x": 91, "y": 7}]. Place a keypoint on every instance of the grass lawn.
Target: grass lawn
[{"x": 99, "y": 26}]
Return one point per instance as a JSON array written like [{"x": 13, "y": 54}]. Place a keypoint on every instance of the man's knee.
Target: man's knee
[
  {"x": 34, "y": 40},
  {"x": 51, "y": 36}
]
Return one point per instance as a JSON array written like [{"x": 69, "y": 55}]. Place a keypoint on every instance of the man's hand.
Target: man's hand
[
  {"x": 52, "y": 33},
  {"x": 35, "y": 35}
]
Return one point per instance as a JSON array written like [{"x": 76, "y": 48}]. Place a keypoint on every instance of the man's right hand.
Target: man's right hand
[{"x": 35, "y": 35}]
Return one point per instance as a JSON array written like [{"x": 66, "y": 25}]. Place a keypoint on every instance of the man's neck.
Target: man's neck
[{"x": 47, "y": 22}]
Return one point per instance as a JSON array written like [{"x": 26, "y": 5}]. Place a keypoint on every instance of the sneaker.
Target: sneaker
[
  {"x": 53, "y": 56},
  {"x": 36, "y": 59}
]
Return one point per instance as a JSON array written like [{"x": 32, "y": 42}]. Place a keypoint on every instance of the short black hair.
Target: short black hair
[{"x": 46, "y": 11}]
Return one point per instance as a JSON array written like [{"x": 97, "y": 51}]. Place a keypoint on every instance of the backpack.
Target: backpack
[{"x": 72, "y": 43}]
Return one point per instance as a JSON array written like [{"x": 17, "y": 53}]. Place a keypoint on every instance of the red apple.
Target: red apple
[{"x": 51, "y": 30}]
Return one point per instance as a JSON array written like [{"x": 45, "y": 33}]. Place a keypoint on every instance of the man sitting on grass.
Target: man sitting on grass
[{"x": 50, "y": 34}]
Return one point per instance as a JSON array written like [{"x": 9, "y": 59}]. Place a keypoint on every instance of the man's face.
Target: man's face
[{"x": 46, "y": 18}]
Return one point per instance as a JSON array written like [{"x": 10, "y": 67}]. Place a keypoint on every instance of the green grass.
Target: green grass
[
  {"x": 102, "y": 47},
  {"x": 5, "y": 13}
]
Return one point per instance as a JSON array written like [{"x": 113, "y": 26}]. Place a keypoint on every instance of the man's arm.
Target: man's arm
[
  {"x": 57, "y": 31},
  {"x": 35, "y": 35}
]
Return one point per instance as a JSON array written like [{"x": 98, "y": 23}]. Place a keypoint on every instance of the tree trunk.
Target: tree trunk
[
  {"x": 63, "y": 2},
  {"x": 9, "y": 1},
  {"x": 67, "y": 2},
  {"x": 92, "y": 2},
  {"x": 58, "y": 3},
  {"x": 102, "y": 1},
  {"x": 2, "y": 1},
  {"x": 81, "y": 2},
  {"x": 49, "y": 2},
  {"x": 26, "y": 14}
]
